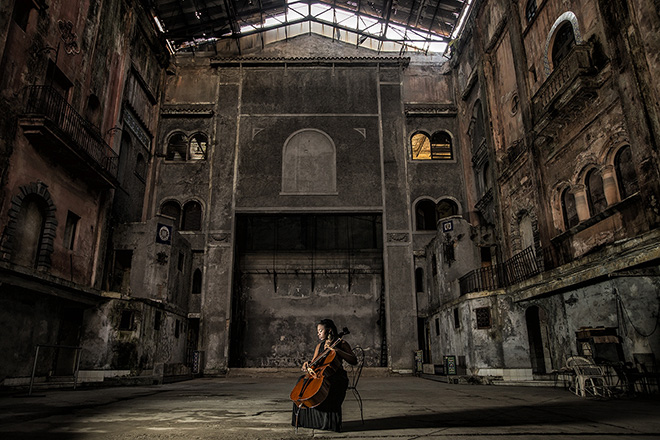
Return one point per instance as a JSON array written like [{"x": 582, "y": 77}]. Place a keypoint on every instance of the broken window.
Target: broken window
[
  {"x": 171, "y": 209},
  {"x": 483, "y": 317},
  {"x": 177, "y": 147},
  {"x": 568, "y": 208},
  {"x": 436, "y": 147},
  {"x": 192, "y": 216},
  {"x": 625, "y": 172},
  {"x": 421, "y": 146},
  {"x": 564, "y": 42},
  {"x": 595, "y": 192},
  {"x": 441, "y": 146},
  {"x": 198, "y": 146},
  {"x": 425, "y": 215},
  {"x": 70, "y": 230}
]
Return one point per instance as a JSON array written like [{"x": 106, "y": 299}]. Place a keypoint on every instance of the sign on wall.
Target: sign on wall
[
  {"x": 450, "y": 365},
  {"x": 164, "y": 234},
  {"x": 447, "y": 226}
]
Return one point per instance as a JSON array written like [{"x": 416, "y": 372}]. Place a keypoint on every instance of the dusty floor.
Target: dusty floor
[{"x": 259, "y": 408}]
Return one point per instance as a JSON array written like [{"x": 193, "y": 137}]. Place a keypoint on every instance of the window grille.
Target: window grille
[{"x": 483, "y": 317}]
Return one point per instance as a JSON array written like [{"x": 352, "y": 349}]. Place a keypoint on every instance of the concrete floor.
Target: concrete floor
[{"x": 259, "y": 408}]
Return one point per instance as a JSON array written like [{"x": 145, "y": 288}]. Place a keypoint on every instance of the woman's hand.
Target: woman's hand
[{"x": 305, "y": 367}]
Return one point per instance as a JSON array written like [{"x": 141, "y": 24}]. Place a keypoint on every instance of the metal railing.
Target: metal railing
[
  {"x": 47, "y": 102},
  {"x": 520, "y": 267}
]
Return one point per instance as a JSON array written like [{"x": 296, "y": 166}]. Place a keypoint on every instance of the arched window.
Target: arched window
[
  {"x": 477, "y": 131},
  {"x": 197, "y": 281},
  {"x": 198, "y": 146},
  {"x": 441, "y": 148},
  {"x": 625, "y": 172},
  {"x": 192, "y": 216},
  {"x": 141, "y": 167},
  {"x": 177, "y": 147},
  {"x": 568, "y": 208},
  {"x": 171, "y": 209},
  {"x": 530, "y": 10},
  {"x": 595, "y": 192},
  {"x": 421, "y": 146},
  {"x": 425, "y": 215},
  {"x": 29, "y": 233},
  {"x": 419, "y": 279},
  {"x": 564, "y": 41},
  {"x": 446, "y": 208}
]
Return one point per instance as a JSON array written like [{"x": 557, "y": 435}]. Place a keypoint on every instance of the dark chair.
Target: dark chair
[{"x": 354, "y": 373}]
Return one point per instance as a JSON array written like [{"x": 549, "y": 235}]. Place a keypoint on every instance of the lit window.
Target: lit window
[
  {"x": 421, "y": 146},
  {"x": 198, "y": 146},
  {"x": 441, "y": 146}
]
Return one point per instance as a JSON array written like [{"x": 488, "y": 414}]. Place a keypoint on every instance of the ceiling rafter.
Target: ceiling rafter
[{"x": 189, "y": 22}]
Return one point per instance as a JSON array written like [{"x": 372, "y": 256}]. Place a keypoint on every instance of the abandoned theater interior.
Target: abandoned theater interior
[{"x": 187, "y": 186}]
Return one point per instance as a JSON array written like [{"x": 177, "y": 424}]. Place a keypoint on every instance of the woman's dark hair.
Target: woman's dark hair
[{"x": 329, "y": 325}]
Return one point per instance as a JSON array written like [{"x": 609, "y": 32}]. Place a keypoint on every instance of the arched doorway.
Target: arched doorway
[{"x": 535, "y": 318}]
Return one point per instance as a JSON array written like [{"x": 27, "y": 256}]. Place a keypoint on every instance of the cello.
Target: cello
[{"x": 311, "y": 389}]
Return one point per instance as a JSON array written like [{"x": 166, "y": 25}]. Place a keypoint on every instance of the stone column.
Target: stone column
[
  {"x": 581, "y": 203},
  {"x": 609, "y": 185}
]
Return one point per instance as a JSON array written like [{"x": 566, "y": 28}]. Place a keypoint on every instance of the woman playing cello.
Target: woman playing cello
[{"x": 327, "y": 414}]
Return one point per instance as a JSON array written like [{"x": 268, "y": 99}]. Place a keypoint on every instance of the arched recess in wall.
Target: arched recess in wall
[
  {"x": 595, "y": 192},
  {"x": 191, "y": 219},
  {"x": 31, "y": 228},
  {"x": 569, "y": 209},
  {"x": 171, "y": 208},
  {"x": 425, "y": 216},
  {"x": 446, "y": 208},
  {"x": 565, "y": 18},
  {"x": 419, "y": 280},
  {"x": 197, "y": 282},
  {"x": 477, "y": 130},
  {"x": 309, "y": 163},
  {"x": 626, "y": 176}
]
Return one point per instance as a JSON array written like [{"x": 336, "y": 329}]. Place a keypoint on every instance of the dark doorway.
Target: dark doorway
[{"x": 533, "y": 318}]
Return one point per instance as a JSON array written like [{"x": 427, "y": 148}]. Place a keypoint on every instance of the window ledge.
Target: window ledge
[{"x": 608, "y": 212}]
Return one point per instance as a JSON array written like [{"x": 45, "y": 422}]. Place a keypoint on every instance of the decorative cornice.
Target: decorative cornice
[
  {"x": 430, "y": 109},
  {"x": 321, "y": 61},
  {"x": 187, "y": 110}
]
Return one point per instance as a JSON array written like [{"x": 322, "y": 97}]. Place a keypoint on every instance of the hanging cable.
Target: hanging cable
[{"x": 624, "y": 312}]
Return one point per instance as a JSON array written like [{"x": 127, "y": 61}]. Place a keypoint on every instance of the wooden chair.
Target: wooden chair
[{"x": 354, "y": 373}]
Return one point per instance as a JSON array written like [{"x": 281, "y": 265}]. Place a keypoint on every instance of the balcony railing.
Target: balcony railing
[
  {"x": 44, "y": 101},
  {"x": 520, "y": 267},
  {"x": 576, "y": 65}
]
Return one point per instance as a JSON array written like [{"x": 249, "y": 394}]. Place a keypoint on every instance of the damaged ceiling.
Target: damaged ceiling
[{"x": 421, "y": 25}]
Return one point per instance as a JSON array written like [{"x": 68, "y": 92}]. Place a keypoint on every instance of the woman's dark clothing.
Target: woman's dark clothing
[{"x": 327, "y": 415}]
